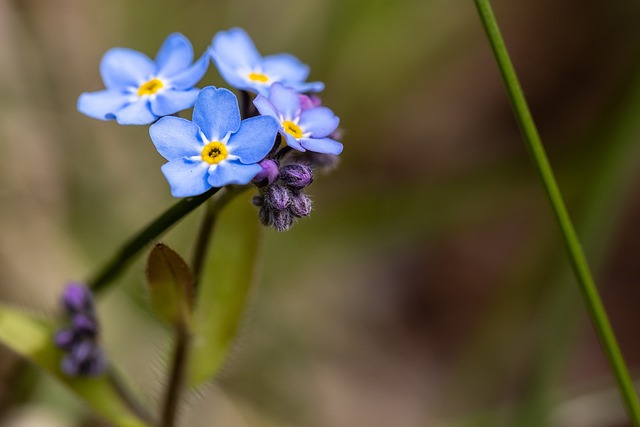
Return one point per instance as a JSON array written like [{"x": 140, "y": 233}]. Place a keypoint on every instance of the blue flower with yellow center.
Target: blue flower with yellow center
[
  {"x": 140, "y": 90},
  {"x": 303, "y": 128},
  {"x": 242, "y": 66},
  {"x": 216, "y": 148}
]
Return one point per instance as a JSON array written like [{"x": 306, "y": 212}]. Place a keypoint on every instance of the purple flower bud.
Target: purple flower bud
[
  {"x": 266, "y": 216},
  {"x": 309, "y": 101},
  {"x": 268, "y": 174},
  {"x": 300, "y": 205},
  {"x": 83, "y": 350},
  {"x": 85, "y": 323},
  {"x": 76, "y": 298},
  {"x": 95, "y": 366},
  {"x": 65, "y": 338},
  {"x": 282, "y": 220},
  {"x": 277, "y": 197},
  {"x": 70, "y": 366},
  {"x": 296, "y": 176}
]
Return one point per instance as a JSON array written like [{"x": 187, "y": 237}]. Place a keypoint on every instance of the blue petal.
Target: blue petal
[
  {"x": 285, "y": 68},
  {"x": 254, "y": 139},
  {"x": 322, "y": 145},
  {"x": 171, "y": 101},
  {"x": 103, "y": 104},
  {"x": 216, "y": 112},
  {"x": 265, "y": 107},
  {"x": 292, "y": 141},
  {"x": 320, "y": 121},
  {"x": 234, "y": 78},
  {"x": 234, "y": 48},
  {"x": 175, "y": 55},
  {"x": 186, "y": 177},
  {"x": 285, "y": 101},
  {"x": 136, "y": 113},
  {"x": 192, "y": 75},
  {"x": 122, "y": 68},
  {"x": 175, "y": 137},
  {"x": 232, "y": 172},
  {"x": 305, "y": 87}
]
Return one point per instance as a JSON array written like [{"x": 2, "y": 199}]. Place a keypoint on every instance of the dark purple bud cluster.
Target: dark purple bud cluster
[
  {"x": 282, "y": 198},
  {"x": 84, "y": 356}
]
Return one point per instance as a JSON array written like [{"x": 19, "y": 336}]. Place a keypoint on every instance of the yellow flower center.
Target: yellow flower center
[
  {"x": 258, "y": 77},
  {"x": 150, "y": 87},
  {"x": 292, "y": 129},
  {"x": 214, "y": 152}
]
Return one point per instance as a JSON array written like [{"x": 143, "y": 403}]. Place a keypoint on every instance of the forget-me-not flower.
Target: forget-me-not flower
[
  {"x": 303, "y": 129},
  {"x": 242, "y": 66},
  {"x": 140, "y": 90},
  {"x": 216, "y": 148}
]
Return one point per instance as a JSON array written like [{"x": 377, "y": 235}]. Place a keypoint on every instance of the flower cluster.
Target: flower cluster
[
  {"x": 224, "y": 142},
  {"x": 84, "y": 356}
]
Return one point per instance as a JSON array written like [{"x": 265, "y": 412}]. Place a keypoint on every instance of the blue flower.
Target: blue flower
[
  {"x": 216, "y": 148},
  {"x": 139, "y": 90},
  {"x": 303, "y": 128},
  {"x": 242, "y": 66}
]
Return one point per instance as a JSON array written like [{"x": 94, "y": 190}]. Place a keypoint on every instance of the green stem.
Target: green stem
[
  {"x": 125, "y": 255},
  {"x": 183, "y": 332},
  {"x": 574, "y": 249}
]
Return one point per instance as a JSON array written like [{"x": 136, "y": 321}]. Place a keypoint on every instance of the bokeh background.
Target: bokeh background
[{"x": 429, "y": 287}]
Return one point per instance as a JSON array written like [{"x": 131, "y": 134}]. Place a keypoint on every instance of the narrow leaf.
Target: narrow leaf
[
  {"x": 32, "y": 338},
  {"x": 224, "y": 288},
  {"x": 170, "y": 285}
]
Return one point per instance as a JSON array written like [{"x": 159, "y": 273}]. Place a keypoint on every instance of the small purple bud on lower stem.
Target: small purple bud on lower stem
[
  {"x": 85, "y": 323},
  {"x": 76, "y": 298},
  {"x": 300, "y": 205},
  {"x": 268, "y": 174},
  {"x": 70, "y": 366},
  {"x": 277, "y": 197},
  {"x": 65, "y": 339},
  {"x": 296, "y": 176},
  {"x": 82, "y": 351}
]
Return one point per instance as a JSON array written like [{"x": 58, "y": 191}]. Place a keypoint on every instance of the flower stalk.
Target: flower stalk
[{"x": 574, "y": 249}]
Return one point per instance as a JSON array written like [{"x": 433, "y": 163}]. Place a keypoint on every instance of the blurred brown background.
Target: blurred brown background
[{"x": 429, "y": 287}]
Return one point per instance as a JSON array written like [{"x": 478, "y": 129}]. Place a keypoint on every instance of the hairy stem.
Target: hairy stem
[{"x": 574, "y": 249}]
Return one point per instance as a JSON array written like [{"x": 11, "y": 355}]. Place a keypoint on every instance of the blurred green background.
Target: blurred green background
[{"x": 429, "y": 287}]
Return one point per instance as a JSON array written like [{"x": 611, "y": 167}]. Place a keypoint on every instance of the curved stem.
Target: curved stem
[
  {"x": 125, "y": 255},
  {"x": 572, "y": 244}
]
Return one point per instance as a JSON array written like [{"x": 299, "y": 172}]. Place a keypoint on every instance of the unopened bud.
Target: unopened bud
[
  {"x": 300, "y": 205},
  {"x": 296, "y": 176}
]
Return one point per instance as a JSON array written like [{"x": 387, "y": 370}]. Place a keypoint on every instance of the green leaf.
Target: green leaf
[
  {"x": 33, "y": 339},
  {"x": 224, "y": 288},
  {"x": 170, "y": 285}
]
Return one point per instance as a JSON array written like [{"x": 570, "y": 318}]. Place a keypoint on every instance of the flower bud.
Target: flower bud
[
  {"x": 277, "y": 197},
  {"x": 77, "y": 298},
  {"x": 65, "y": 338},
  {"x": 268, "y": 174},
  {"x": 282, "y": 220},
  {"x": 300, "y": 205},
  {"x": 84, "y": 323},
  {"x": 296, "y": 176}
]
